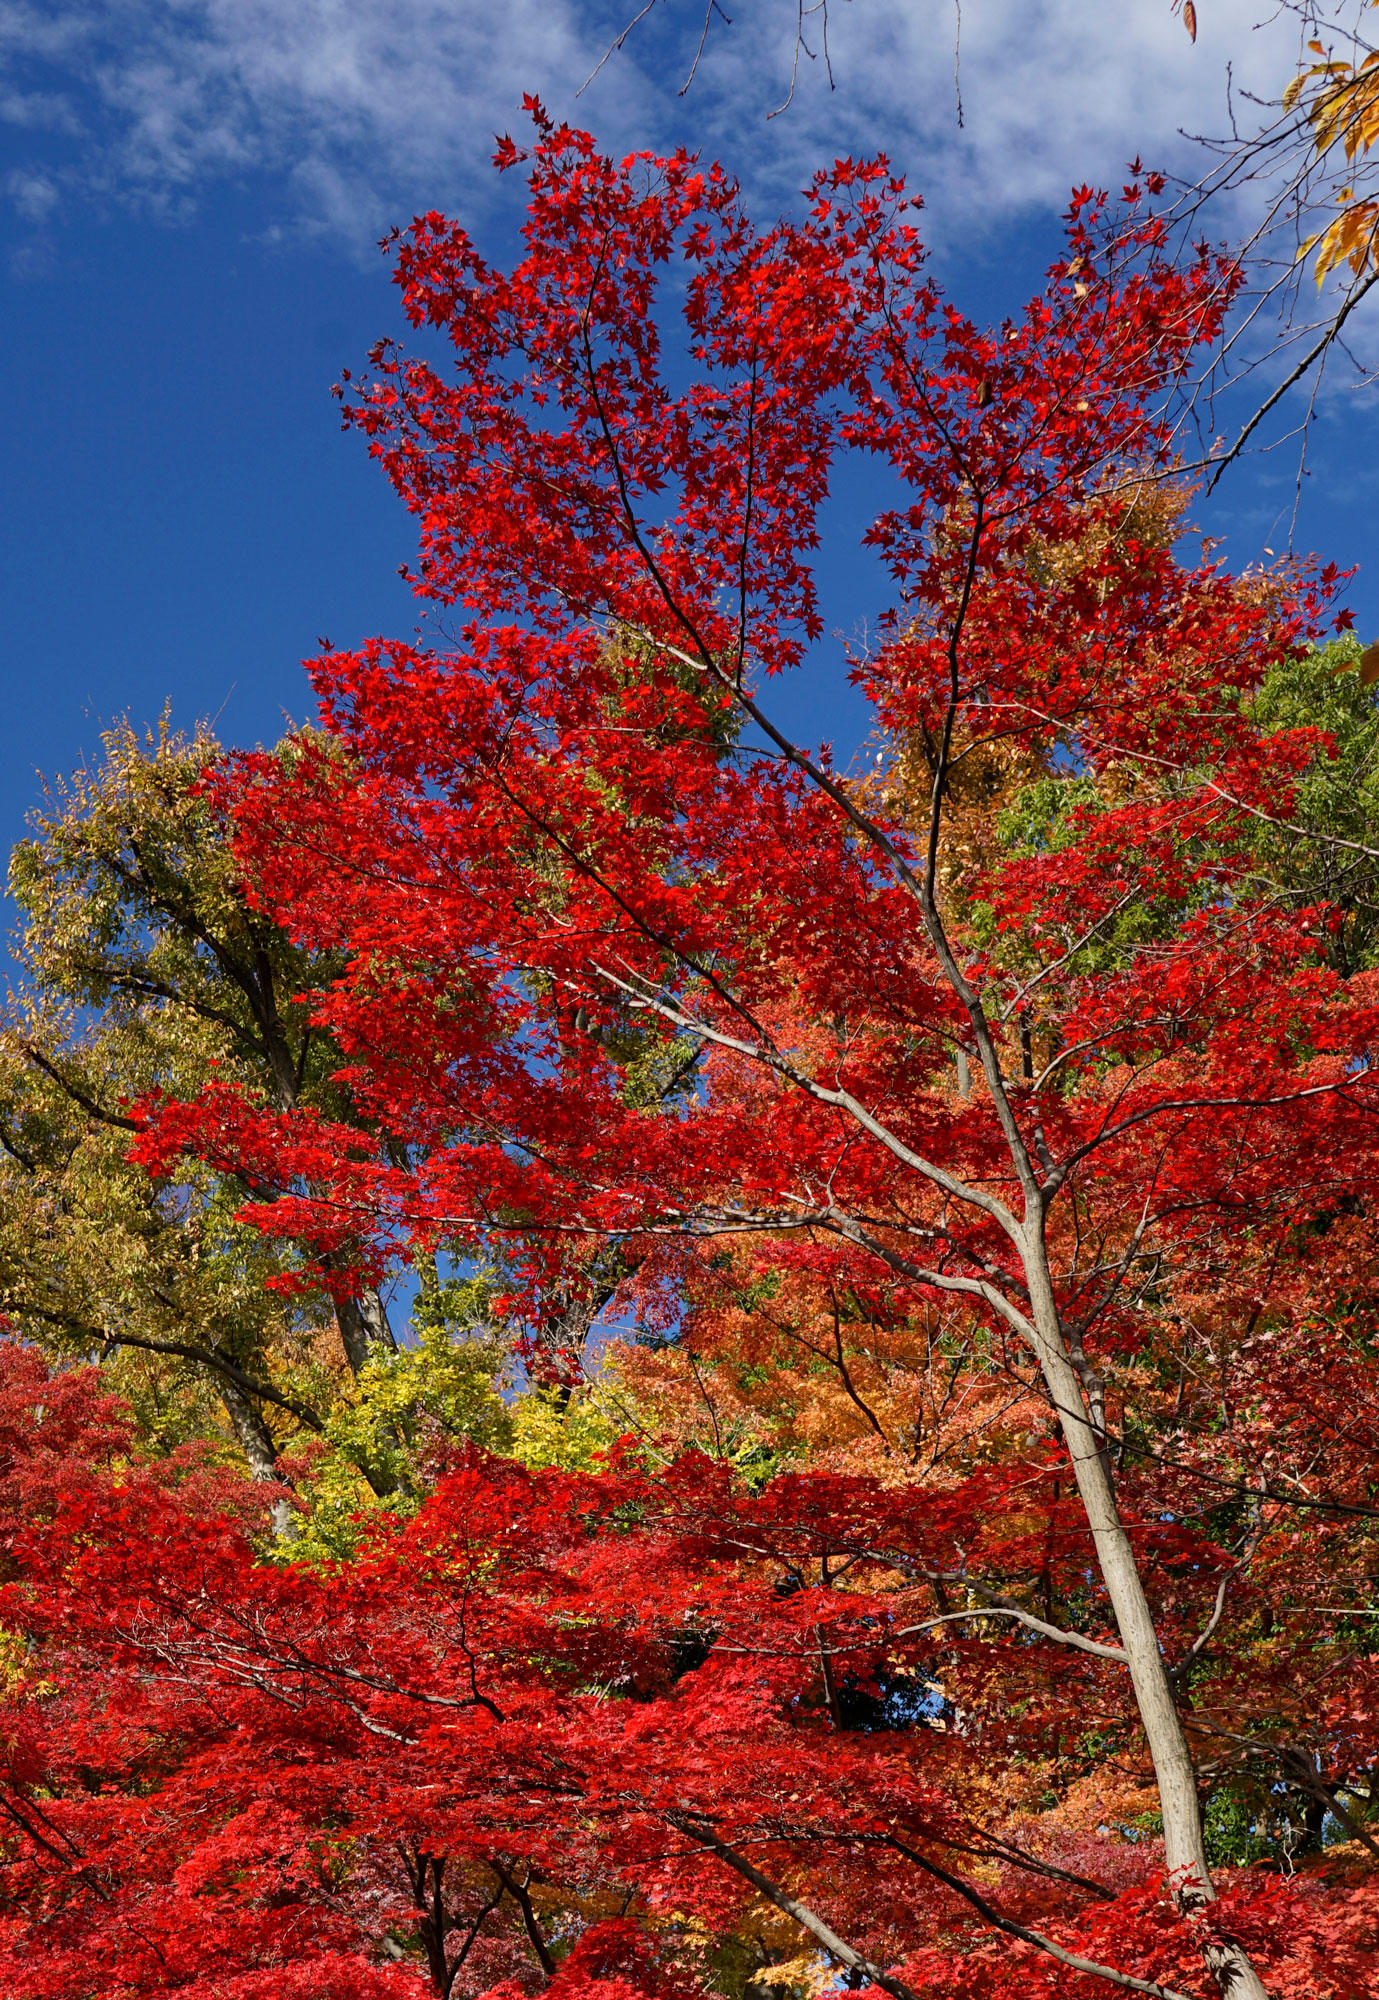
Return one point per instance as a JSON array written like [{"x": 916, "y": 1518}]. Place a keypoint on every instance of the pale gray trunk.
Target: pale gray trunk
[
  {"x": 364, "y": 1327},
  {"x": 260, "y": 1455},
  {"x": 375, "y": 1316},
  {"x": 1184, "y": 1851},
  {"x": 365, "y": 1331}
]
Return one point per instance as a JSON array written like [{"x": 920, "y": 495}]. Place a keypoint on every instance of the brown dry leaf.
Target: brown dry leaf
[
  {"x": 1190, "y": 19},
  {"x": 1369, "y": 665}
]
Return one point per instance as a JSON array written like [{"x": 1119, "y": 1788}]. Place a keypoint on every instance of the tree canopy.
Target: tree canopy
[{"x": 925, "y": 1535}]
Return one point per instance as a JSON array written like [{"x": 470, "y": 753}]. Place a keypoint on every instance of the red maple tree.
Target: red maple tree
[
  {"x": 659, "y": 1003},
  {"x": 572, "y": 1732}
]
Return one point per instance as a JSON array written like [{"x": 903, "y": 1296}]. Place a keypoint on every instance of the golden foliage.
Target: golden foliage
[{"x": 1344, "y": 112}]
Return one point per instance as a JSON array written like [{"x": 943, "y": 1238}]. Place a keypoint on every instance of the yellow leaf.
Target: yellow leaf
[{"x": 1349, "y": 240}]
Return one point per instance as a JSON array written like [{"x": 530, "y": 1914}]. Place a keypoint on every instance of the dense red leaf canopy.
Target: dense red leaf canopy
[
  {"x": 636, "y": 985},
  {"x": 556, "y": 817},
  {"x": 231, "y": 1778}
]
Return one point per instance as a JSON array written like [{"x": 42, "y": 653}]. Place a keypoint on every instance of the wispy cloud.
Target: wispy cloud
[
  {"x": 351, "y": 106},
  {"x": 1052, "y": 92},
  {"x": 353, "y": 111}
]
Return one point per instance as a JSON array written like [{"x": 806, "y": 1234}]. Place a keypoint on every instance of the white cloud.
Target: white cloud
[
  {"x": 1054, "y": 92},
  {"x": 353, "y": 106},
  {"x": 360, "y": 110},
  {"x": 34, "y": 194}
]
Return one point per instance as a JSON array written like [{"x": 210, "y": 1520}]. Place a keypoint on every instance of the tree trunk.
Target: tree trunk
[
  {"x": 364, "y": 1326},
  {"x": 1190, "y": 1878},
  {"x": 260, "y": 1453}
]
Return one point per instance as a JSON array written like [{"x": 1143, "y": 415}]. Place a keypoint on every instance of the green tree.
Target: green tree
[
  {"x": 1323, "y": 850},
  {"x": 145, "y": 966}
]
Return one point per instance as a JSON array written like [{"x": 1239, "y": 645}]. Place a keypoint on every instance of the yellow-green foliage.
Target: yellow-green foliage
[
  {"x": 400, "y": 1408},
  {"x": 14, "y": 1663},
  {"x": 135, "y": 950},
  {"x": 403, "y": 1410},
  {"x": 548, "y": 1429}
]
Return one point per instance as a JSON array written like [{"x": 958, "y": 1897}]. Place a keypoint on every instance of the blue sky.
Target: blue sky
[{"x": 191, "y": 192}]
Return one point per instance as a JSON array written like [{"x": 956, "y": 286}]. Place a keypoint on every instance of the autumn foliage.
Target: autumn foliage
[
  {"x": 973, "y": 1591},
  {"x": 534, "y": 1706}
]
